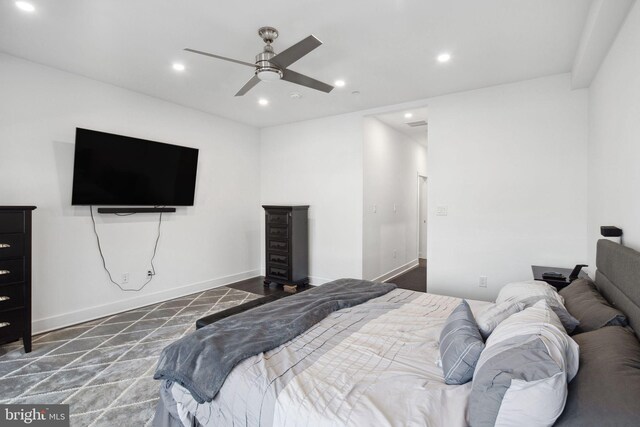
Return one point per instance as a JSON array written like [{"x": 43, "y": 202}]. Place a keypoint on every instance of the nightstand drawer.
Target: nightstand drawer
[
  {"x": 11, "y": 222},
  {"x": 278, "y": 231},
  {"x": 278, "y": 245},
  {"x": 274, "y": 258},
  {"x": 11, "y": 270},
  {"x": 11, "y": 296},
  {"x": 11, "y": 245},
  {"x": 11, "y": 324}
]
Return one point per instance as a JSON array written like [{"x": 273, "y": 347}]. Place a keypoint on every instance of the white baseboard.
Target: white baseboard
[
  {"x": 398, "y": 271},
  {"x": 98, "y": 311}
]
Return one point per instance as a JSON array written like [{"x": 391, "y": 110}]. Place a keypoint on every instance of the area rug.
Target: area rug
[{"x": 104, "y": 368}]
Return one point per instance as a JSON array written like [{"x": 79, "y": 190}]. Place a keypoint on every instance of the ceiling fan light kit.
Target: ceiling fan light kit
[{"x": 270, "y": 66}]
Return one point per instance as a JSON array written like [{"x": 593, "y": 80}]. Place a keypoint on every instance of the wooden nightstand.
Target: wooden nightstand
[{"x": 538, "y": 271}]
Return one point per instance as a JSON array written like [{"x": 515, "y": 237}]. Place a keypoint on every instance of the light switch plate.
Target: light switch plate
[{"x": 442, "y": 211}]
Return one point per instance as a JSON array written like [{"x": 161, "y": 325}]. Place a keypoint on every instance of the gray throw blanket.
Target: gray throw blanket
[{"x": 201, "y": 361}]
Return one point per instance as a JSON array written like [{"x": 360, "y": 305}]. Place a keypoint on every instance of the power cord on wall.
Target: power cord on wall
[{"x": 104, "y": 263}]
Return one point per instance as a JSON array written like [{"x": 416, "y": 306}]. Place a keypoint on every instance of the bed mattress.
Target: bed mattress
[{"x": 372, "y": 364}]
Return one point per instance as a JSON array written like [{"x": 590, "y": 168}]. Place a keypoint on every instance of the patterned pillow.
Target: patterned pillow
[
  {"x": 491, "y": 316},
  {"x": 522, "y": 375},
  {"x": 460, "y": 345}
]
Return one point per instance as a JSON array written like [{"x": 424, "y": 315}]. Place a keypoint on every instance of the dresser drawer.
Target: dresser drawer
[
  {"x": 11, "y": 245},
  {"x": 11, "y": 296},
  {"x": 278, "y": 245},
  {"x": 278, "y": 231},
  {"x": 278, "y": 272},
  {"x": 278, "y": 217},
  {"x": 11, "y": 270},
  {"x": 11, "y": 222},
  {"x": 275, "y": 258},
  {"x": 11, "y": 323}
]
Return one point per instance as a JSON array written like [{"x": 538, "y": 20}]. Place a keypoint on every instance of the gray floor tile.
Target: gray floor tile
[
  {"x": 129, "y": 316},
  {"x": 161, "y": 313},
  {"x": 100, "y": 355},
  {"x": 145, "y": 388}
]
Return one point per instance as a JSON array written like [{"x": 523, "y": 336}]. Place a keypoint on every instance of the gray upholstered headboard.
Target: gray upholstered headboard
[{"x": 618, "y": 279}]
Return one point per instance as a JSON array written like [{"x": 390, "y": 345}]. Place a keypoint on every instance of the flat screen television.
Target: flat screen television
[{"x": 119, "y": 170}]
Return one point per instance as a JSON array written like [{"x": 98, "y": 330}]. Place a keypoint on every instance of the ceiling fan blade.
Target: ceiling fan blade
[
  {"x": 295, "y": 52},
  {"x": 199, "y": 52},
  {"x": 248, "y": 85},
  {"x": 301, "y": 79}
]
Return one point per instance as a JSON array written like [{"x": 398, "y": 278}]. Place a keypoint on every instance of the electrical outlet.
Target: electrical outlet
[
  {"x": 125, "y": 278},
  {"x": 149, "y": 273},
  {"x": 483, "y": 281}
]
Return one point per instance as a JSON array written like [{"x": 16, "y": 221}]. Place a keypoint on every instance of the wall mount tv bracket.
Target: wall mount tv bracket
[{"x": 130, "y": 210}]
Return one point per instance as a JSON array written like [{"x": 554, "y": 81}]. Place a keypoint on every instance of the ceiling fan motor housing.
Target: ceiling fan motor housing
[{"x": 265, "y": 70}]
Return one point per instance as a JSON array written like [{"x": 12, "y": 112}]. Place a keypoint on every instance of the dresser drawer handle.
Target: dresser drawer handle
[
  {"x": 4, "y": 245},
  {"x": 4, "y": 298},
  {"x": 3, "y": 272},
  {"x": 4, "y": 324}
]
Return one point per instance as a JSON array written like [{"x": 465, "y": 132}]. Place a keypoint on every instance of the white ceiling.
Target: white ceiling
[
  {"x": 398, "y": 121},
  {"x": 384, "y": 49}
]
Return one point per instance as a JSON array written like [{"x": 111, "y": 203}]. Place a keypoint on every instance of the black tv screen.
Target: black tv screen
[{"x": 119, "y": 170}]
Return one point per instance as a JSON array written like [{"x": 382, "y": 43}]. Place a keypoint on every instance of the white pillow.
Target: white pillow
[
  {"x": 519, "y": 291},
  {"x": 491, "y": 316},
  {"x": 522, "y": 375}
]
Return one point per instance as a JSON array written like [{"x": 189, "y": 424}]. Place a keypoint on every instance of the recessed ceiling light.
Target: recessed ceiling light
[
  {"x": 339, "y": 83},
  {"x": 178, "y": 67},
  {"x": 444, "y": 57},
  {"x": 295, "y": 95},
  {"x": 355, "y": 92},
  {"x": 263, "y": 101},
  {"x": 408, "y": 115},
  {"x": 27, "y": 7}
]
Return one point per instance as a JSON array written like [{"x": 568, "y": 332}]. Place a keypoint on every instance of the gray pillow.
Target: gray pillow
[
  {"x": 460, "y": 345},
  {"x": 584, "y": 302},
  {"x": 606, "y": 390}
]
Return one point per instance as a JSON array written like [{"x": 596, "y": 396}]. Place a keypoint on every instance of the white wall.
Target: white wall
[
  {"x": 614, "y": 139},
  {"x": 391, "y": 164},
  {"x": 319, "y": 163},
  {"x": 214, "y": 242},
  {"x": 509, "y": 163}
]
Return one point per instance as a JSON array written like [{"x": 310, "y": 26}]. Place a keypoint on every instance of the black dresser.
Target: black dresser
[
  {"x": 287, "y": 245},
  {"x": 15, "y": 274}
]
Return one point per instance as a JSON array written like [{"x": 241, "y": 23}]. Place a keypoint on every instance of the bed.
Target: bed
[{"x": 375, "y": 363}]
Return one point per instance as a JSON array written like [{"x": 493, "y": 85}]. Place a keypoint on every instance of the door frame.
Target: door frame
[{"x": 426, "y": 181}]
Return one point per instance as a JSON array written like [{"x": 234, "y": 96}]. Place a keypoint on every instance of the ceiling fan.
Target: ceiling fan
[{"x": 270, "y": 66}]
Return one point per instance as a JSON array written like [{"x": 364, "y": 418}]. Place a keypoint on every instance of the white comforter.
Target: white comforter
[{"x": 371, "y": 365}]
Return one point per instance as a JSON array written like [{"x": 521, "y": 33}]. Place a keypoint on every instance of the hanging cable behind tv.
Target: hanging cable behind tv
[{"x": 152, "y": 272}]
